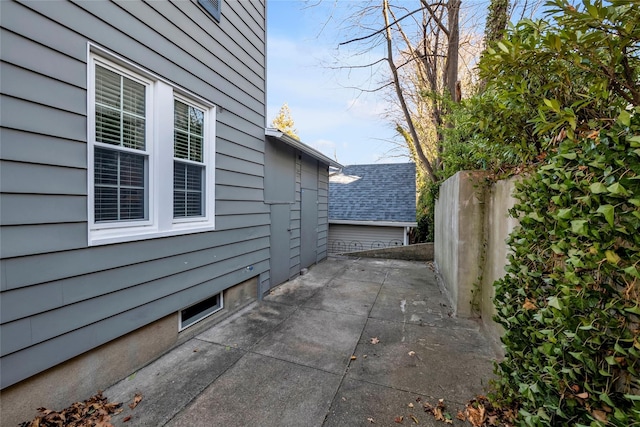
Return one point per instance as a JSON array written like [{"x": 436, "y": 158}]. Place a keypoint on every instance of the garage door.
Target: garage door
[{"x": 351, "y": 238}]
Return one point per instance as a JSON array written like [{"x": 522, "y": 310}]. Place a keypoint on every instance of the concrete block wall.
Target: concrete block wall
[{"x": 472, "y": 224}]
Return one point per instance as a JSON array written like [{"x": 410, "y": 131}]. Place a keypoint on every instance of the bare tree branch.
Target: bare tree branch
[
  {"x": 433, "y": 15},
  {"x": 424, "y": 161},
  {"x": 351, "y": 67},
  {"x": 375, "y": 33},
  {"x": 378, "y": 89}
]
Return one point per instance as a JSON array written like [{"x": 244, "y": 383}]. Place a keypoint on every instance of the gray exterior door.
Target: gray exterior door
[
  {"x": 280, "y": 242},
  {"x": 309, "y": 228}
]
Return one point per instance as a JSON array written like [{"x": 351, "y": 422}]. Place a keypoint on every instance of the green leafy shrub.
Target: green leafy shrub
[
  {"x": 570, "y": 302},
  {"x": 561, "y": 102}
]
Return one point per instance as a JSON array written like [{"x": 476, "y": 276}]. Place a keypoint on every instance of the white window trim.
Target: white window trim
[{"x": 160, "y": 97}]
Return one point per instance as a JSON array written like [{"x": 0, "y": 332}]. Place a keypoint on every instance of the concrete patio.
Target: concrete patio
[{"x": 305, "y": 357}]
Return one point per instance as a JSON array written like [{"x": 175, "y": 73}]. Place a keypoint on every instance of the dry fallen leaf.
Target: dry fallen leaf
[
  {"x": 136, "y": 399},
  {"x": 415, "y": 420},
  {"x": 437, "y": 414},
  {"x": 375, "y": 340},
  {"x": 399, "y": 419},
  {"x": 412, "y": 353},
  {"x": 410, "y": 405},
  {"x": 528, "y": 305},
  {"x": 371, "y": 420},
  {"x": 599, "y": 415},
  {"x": 476, "y": 415},
  {"x": 461, "y": 416},
  {"x": 583, "y": 395},
  {"x": 127, "y": 418},
  {"x": 353, "y": 357}
]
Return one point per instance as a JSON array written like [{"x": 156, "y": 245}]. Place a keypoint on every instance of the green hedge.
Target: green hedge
[{"x": 570, "y": 302}]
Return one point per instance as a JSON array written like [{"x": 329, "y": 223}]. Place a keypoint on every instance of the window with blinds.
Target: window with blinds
[
  {"x": 150, "y": 157},
  {"x": 120, "y": 158},
  {"x": 188, "y": 166}
]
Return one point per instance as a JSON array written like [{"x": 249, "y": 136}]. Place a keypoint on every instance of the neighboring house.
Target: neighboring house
[
  {"x": 371, "y": 206},
  {"x": 137, "y": 194},
  {"x": 297, "y": 192}
]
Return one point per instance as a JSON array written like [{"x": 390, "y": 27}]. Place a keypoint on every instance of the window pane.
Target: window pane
[
  {"x": 181, "y": 144},
  {"x": 133, "y": 97},
  {"x": 194, "y": 177},
  {"x": 108, "y": 125},
  {"x": 179, "y": 176},
  {"x": 195, "y": 149},
  {"x": 106, "y": 204},
  {"x": 196, "y": 117},
  {"x": 179, "y": 204},
  {"x": 133, "y": 132},
  {"x": 194, "y": 204},
  {"x": 131, "y": 170},
  {"x": 107, "y": 87},
  {"x": 181, "y": 114},
  {"x": 106, "y": 167},
  {"x": 131, "y": 203}
]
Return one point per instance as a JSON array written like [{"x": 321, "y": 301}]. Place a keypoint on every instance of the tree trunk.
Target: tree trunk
[{"x": 451, "y": 76}]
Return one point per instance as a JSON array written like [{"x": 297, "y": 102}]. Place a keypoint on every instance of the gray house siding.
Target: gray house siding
[
  {"x": 60, "y": 297},
  {"x": 323, "y": 212},
  {"x": 286, "y": 185}
]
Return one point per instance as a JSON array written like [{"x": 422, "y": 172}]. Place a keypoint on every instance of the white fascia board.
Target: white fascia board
[
  {"x": 283, "y": 137},
  {"x": 374, "y": 223}
]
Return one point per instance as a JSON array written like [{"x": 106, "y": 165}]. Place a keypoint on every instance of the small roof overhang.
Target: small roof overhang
[
  {"x": 292, "y": 142},
  {"x": 374, "y": 223}
]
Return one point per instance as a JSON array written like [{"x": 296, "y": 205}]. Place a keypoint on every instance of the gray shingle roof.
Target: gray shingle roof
[{"x": 380, "y": 192}]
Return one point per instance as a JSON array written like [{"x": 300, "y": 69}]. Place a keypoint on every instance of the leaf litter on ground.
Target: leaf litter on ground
[{"x": 93, "y": 412}]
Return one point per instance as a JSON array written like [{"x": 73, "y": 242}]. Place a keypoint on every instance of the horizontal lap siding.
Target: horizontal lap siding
[
  {"x": 346, "y": 238},
  {"x": 59, "y": 297}
]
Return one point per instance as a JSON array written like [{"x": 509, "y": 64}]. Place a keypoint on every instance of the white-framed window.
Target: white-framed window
[
  {"x": 121, "y": 149},
  {"x": 150, "y": 154},
  {"x": 188, "y": 160}
]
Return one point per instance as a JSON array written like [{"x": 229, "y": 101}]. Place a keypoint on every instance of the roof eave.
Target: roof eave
[
  {"x": 375, "y": 223},
  {"x": 299, "y": 145}
]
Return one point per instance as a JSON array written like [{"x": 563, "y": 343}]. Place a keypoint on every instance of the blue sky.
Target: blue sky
[{"x": 338, "y": 121}]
